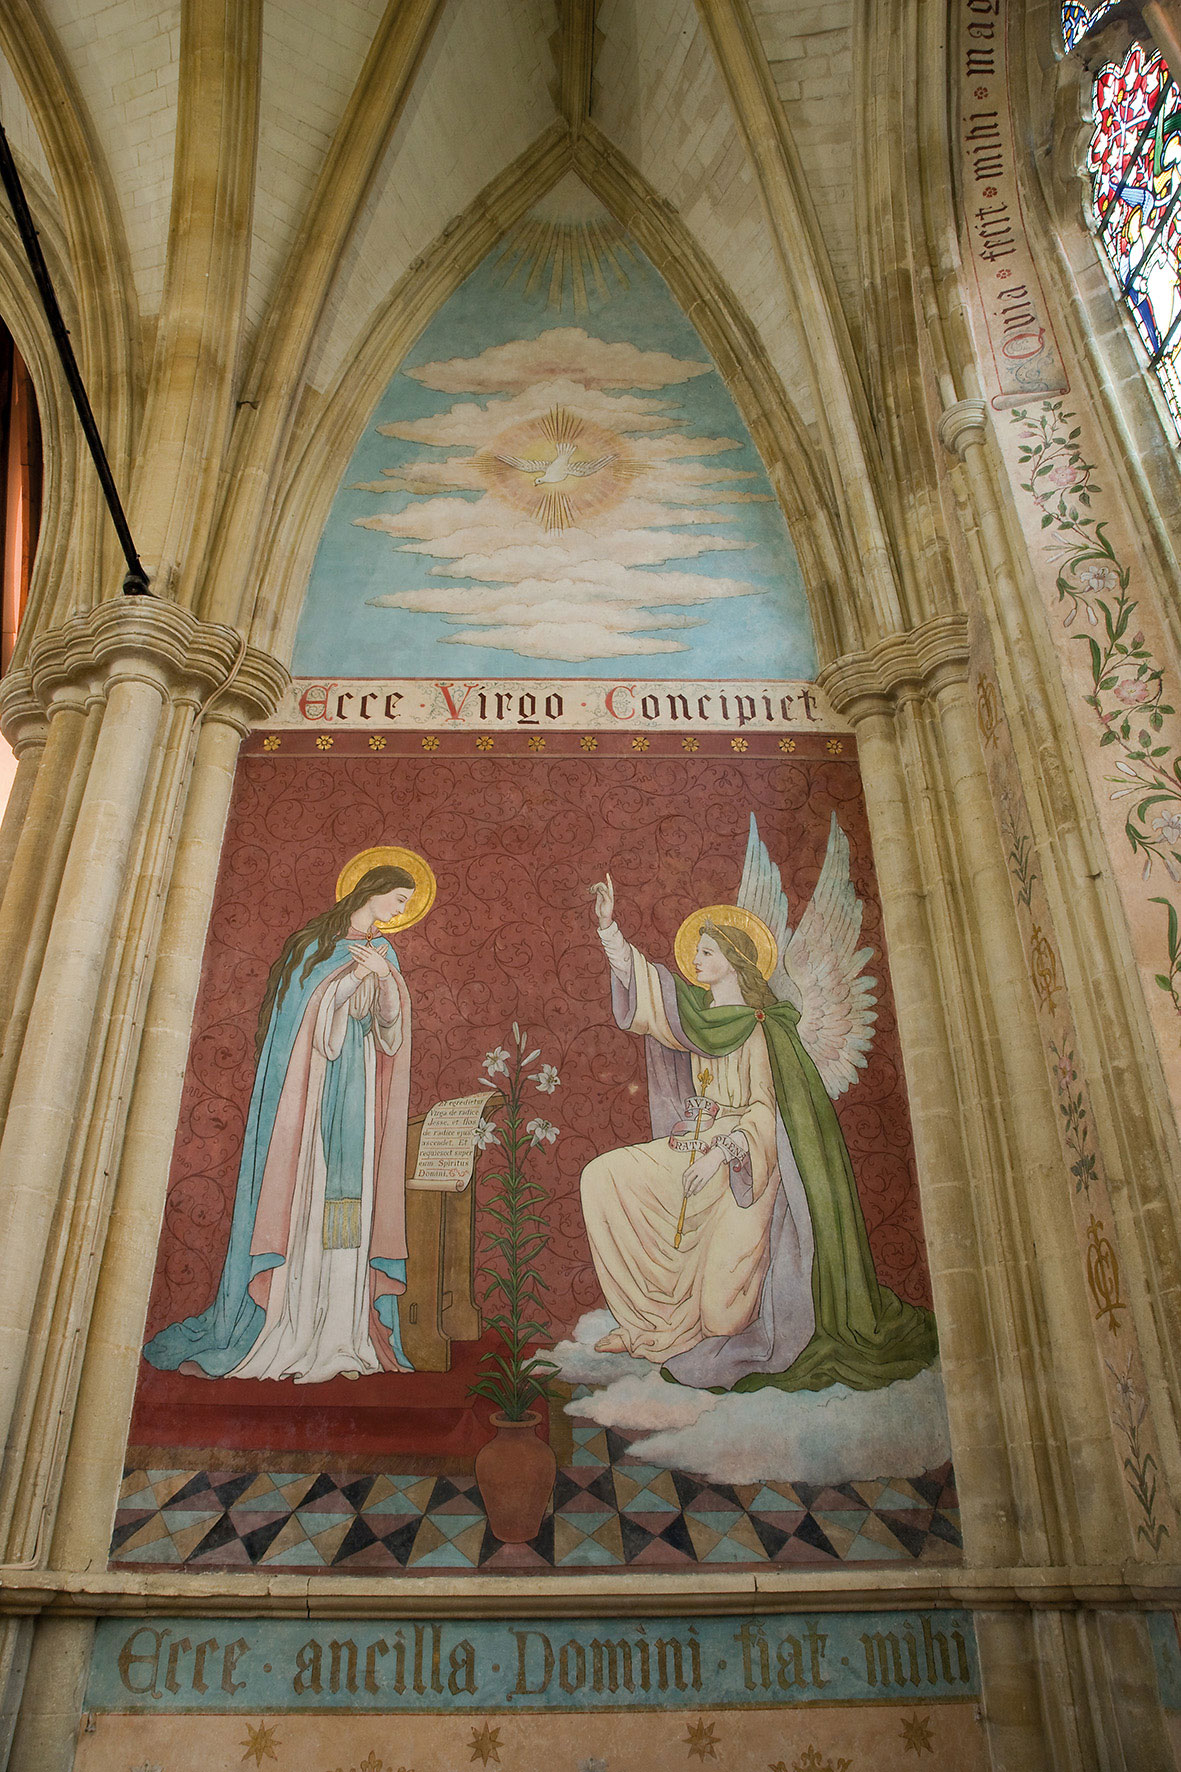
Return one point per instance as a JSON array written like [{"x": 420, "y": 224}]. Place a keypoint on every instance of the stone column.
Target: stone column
[
  {"x": 94, "y": 1464},
  {"x": 38, "y": 856},
  {"x": 897, "y": 803},
  {"x": 38, "y": 1132},
  {"x": 146, "y": 665},
  {"x": 51, "y": 1704},
  {"x": 150, "y": 822},
  {"x": 1017, "y": 1739},
  {"x": 25, "y": 729},
  {"x": 1035, "y": 1464},
  {"x": 16, "y": 1639}
]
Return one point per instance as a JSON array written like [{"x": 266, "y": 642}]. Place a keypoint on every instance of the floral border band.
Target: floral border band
[{"x": 1149, "y": 1510}]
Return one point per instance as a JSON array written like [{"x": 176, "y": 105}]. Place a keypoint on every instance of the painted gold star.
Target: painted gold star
[
  {"x": 916, "y": 1734},
  {"x": 485, "y": 1745},
  {"x": 260, "y": 1743},
  {"x": 702, "y": 1741}
]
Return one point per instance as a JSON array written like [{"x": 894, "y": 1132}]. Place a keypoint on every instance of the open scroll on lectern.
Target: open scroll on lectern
[{"x": 447, "y": 1147}]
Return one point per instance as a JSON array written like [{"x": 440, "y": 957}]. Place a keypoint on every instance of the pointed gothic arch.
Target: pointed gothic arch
[
  {"x": 20, "y": 308},
  {"x": 320, "y": 454},
  {"x": 92, "y": 244}
]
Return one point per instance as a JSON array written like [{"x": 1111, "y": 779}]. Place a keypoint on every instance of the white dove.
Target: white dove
[{"x": 551, "y": 473}]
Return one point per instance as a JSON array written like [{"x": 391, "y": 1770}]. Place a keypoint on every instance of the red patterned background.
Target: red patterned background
[{"x": 515, "y": 839}]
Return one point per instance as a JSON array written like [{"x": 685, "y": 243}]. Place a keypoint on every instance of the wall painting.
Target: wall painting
[
  {"x": 545, "y": 1060},
  {"x": 717, "y": 1204}
]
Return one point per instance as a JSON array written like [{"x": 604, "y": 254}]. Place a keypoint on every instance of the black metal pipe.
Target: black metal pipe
[{"x": 135, "y": 582}]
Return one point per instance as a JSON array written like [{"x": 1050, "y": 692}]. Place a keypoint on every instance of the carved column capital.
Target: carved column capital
[
  {"x": 962, "y": 425},
  {"x": 148, "y": 640},
  {"x": 923, "y": 662},
  {"x": 22, "y": 718}
]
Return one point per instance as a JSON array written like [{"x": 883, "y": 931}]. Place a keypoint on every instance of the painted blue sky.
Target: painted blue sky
[{"x": 551, "y": 490}]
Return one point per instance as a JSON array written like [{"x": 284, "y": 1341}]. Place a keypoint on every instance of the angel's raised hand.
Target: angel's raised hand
[{"x": 604, "y": 895}]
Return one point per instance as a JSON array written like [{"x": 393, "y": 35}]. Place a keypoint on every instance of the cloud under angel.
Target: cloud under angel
[
  {"x": 567, "y": 556},
  {"x": 832, "y": 1436}
]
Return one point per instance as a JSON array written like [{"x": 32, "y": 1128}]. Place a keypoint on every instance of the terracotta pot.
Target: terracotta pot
[{"x": 516, "y": 1474}]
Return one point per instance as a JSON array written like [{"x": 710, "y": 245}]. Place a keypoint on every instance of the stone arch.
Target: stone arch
[
  {"x": 93, "y": 263},
  {"x": 320, "y": 456},
  {"x": 21, "y": 308}
]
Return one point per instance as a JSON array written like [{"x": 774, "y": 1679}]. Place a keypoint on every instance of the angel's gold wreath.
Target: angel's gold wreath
[
  {"x": 392, "y": 856},
  {"x": 689, "y": 934}
]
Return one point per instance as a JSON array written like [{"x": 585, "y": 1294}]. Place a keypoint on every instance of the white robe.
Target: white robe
[
  {"x": 317, "y": 1316},
  {"x": 667, "y": 1299}
]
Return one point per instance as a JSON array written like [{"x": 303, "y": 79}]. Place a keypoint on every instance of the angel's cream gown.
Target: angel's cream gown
[{"x": 665, "y": 1299}]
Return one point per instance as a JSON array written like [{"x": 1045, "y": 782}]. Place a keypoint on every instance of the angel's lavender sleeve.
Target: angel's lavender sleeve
[{"x": 623, "y": 974}]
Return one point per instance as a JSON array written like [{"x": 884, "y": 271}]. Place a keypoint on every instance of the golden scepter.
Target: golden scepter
[{"x": 704, "y": 1079}]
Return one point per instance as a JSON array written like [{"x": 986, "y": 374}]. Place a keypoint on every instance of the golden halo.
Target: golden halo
[
  {"x": 689, "y": 934},
  {"x": 391, "y": 856}
]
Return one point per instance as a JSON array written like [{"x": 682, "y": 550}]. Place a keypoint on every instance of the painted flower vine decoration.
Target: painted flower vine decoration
[{"x": 1127, "y": 695}]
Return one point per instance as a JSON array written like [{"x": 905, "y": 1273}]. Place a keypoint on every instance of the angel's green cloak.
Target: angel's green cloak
[{"x": 865, "y": 1335}]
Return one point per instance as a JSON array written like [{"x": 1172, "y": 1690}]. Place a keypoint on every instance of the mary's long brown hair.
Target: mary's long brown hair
[
  {"x": 742, "y": 954},
  {"x": 318, "y": 938}
]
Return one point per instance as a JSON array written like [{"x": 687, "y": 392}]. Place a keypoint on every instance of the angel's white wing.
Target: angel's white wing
[
  {"x": 836, "y": 997},
  {"x": 582, "y": 468},
  {"x": 526, "y": 467},
  {"x": 761, "y": 892}
]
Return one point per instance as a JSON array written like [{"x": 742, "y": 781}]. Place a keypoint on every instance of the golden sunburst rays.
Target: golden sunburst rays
[
  {"x": 555, "y": 511},
  {"x": 559, "y": 469},
  {"x": 560, "y": 426},
  {"x": 577, "y": 263}
]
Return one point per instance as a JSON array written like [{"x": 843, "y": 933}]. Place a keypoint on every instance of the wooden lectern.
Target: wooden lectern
[{"x": 439, "y": 1304}]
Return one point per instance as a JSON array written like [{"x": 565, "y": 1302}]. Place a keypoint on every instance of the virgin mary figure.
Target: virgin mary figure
[
  {"x": 731, "y": 1248},
  {"x": 317, "y": 1251}
]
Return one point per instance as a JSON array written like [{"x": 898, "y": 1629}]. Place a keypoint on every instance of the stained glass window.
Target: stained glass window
[
  {"x": 1135, "y": 163},
  {"x": 1079, "y": 15}
]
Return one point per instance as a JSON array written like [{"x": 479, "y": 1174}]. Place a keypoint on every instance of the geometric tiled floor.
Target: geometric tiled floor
[{"x": 608, "y": 1511}]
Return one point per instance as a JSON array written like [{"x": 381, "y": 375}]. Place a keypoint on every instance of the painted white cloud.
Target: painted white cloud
[
  {"x": 473, "y": 427},
  {"x": 565, "y": 352},
  {"x": 614, "y": 582},
  {"x": 831, "y": 1436},
  {"x": 593, "y": 613}
]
